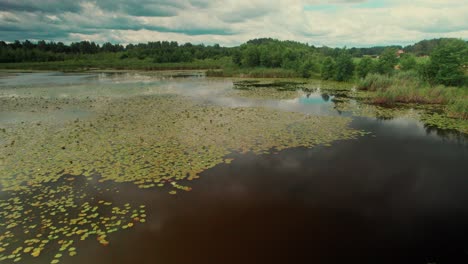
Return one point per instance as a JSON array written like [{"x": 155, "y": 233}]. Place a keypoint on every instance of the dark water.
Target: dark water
[{"x": 398, "y": 195}]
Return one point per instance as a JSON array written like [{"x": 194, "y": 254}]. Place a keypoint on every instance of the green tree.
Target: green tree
[
  {"x": 307, "y": 68},
  {"x": 237, "y": 57},
  {"x": 407, "y": 62},
  {"x": 447, "y": 61},
  {"x": 344, "y": 67},
  {"x": 251, "y": 56},
  {"x": 365, "y": 66},
  {"x": 328, "y": 69},
  {"x": 387, "y": 61}
]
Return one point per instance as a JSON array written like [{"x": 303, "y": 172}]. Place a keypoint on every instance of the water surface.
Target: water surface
[{"x": 397, "y": 195}]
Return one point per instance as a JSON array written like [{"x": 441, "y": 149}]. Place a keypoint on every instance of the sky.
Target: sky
[{"x": 334, "y": 23}]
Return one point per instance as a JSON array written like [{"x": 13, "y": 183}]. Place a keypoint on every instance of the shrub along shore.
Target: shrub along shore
[{"x": 407, "y": 88}]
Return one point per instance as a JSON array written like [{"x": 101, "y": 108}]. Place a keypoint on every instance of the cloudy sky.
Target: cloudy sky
[{"x": 334, "y": 23}]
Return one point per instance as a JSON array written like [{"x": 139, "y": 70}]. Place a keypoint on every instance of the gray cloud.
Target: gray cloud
[
  {"x": 155, "y": 8},
  {"x": 134, "y": 8},
  {"x": 231, "y": 22},
  {"x": 141, "y": 8},
  {"x": 94, "y": 20},
  {"x": 239, "y": 16},
  {"x": 52, "y": 6}
]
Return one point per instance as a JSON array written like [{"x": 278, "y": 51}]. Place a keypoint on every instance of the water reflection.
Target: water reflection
[
  {"x": 326, "y": 97},
  {"x": 447, "y": 134},
  {"x": 44, "y": 78},
  {"x": 385, "y": 199},
  {"x": 395, "y": 196}
]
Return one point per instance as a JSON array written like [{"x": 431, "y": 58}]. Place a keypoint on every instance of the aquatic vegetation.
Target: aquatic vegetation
[
  {"x": 431, "y": 115},
  {"x": 416, "y": 106},
  {"x": 459, "y": 108},
  {"x": 148, "y": 141},
  {"x": 442, "y": 121},
  {"x": 151, "y": 141},
  {"x": 374, "y": 111},
  {"x": 408, "y": 88},
  {"x": 264, "y": 93},
  {"x": 267, "y": 89},
  {"x": 50, "y": 219},
  {"x": 280, "y": 85}
]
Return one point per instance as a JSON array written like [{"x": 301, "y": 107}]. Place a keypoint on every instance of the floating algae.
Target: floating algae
[{"x": 151, "y": 141}]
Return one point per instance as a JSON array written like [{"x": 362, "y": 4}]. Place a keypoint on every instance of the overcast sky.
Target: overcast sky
[{"x": 335, "y": 23}]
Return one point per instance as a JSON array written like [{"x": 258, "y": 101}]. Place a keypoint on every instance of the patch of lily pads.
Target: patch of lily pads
[
  {"x": 357, "y": 108},
  {"x": 442, "y": 121},
  {"x": 154, "y": 141},
  {"x": 266, "y": 89},
  {"x": 281, "y": 85},
  {"x": 48, "y": 221},
  {"x": 433, "y": 116},
  {"x": 149, "y": 140}
]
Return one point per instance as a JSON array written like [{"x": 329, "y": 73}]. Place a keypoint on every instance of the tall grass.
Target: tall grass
[
  {"x": 458, "y": 108},
  {"x": 407, "y": 87},
  {"x": 373, "y": 82},
  {"x": 405, "y": 93}
]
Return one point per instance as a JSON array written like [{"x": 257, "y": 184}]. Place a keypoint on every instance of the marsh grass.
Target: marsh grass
[
  {"x": 408, "y": 88},
  {"x": 458, "y": 109},
  {"x": 374, "y": 82},
  {"x": 409, "y": 94}
]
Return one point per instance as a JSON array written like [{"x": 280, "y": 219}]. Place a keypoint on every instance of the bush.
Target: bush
[
  {"x": 407, "y": 62},
  {"x": 446, "y": 63},
  {"x": 328, "y": 69},
  {"x": 344, "y": 67},
  {"x": 387, "y": 61},
  {"x": 365, "y": 66}
]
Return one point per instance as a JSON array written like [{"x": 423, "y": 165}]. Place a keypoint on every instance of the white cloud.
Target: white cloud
[{"x": 231, "y": 22}]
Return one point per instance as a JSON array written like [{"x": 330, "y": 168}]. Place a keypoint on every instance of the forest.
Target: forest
[{"x": 437, "y": 61}]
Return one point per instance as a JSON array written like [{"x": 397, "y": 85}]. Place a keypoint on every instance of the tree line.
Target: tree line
[
  {"x": 448, "y": 57},
  {"x": 159, "y": 52},
  {"x": 165, "y": 51},
  {"x": 446, "y": 65}
]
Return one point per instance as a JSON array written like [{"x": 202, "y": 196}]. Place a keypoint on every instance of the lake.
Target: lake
[{"x": 175, "y": 167}]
